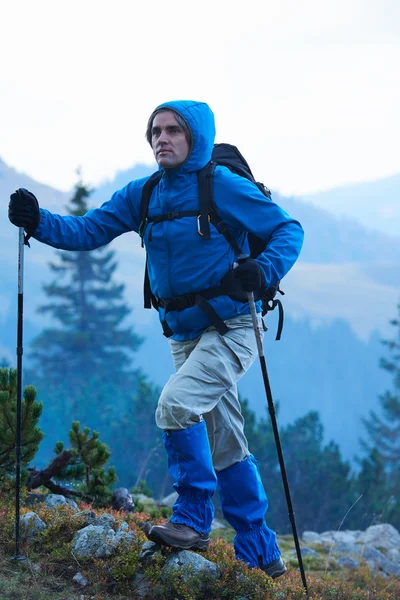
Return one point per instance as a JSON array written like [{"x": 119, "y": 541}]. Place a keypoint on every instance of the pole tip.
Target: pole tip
[{"x": 19, "y": 557}]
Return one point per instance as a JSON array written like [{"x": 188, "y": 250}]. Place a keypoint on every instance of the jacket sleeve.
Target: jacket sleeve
[
  {"x": 97, "y": 227},
  {"x": 243, "y": 207}
]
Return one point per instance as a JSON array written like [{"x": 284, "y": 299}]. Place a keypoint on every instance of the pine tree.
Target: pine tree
[
  {"x": 310, "y": 466},
  {"x": 86, "y": 468},
  {"x": 31, "y": 435},
  {"x": 84, "y": 363},
  {"x": 384, "y": 429},
  {"x": 379, "y": 478}
]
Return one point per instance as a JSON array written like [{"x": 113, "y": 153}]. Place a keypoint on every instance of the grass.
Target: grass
[{"x": 49, "y": 566}]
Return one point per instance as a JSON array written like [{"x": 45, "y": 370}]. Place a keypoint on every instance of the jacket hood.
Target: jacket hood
[{"x": 200, "y": 120}]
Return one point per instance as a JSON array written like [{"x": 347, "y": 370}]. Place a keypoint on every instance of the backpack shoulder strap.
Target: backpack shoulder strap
[
  {"x": 206, "y": 197},
  {"x": 147, "y": 190},
  {"x": 208, "y": 209}
]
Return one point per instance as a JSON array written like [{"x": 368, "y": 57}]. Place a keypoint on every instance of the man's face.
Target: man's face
[{"x": 168, "y": 140}]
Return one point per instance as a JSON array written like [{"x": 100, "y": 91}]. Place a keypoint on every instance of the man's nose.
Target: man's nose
[{"x": 163, "y": 138}]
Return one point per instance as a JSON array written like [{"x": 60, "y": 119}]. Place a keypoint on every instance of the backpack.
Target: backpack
[{"x": 228, "y": 156}]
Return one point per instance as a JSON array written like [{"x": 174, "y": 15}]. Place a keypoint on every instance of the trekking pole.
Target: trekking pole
[
  {"x": 21, "y": 242},
  {"x": 271, "y": 408}
]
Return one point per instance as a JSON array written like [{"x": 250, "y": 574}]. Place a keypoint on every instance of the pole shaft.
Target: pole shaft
[
  {"x": 19, "y": 385},
  {"x": 271, "y": 409}
]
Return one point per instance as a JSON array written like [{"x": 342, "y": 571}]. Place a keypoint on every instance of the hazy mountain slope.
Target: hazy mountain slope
[{"x": 374, "y": 204}]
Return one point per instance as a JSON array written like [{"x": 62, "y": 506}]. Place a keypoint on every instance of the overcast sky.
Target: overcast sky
[{"x": 309, "y": 90}]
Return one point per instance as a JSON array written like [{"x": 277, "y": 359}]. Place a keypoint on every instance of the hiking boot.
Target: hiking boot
[
  {"x": 275, "y": 569},
  {"x": 178, "y": 536}
]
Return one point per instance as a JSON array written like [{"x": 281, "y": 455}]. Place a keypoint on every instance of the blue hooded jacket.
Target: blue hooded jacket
[{"x": 180, "y": 261}]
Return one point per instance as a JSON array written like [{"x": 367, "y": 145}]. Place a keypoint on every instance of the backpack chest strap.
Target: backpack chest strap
[{"x": 170, "y": 216}]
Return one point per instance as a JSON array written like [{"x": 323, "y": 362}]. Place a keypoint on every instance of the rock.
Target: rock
[
  {"x": 148, "y": 550},
  {"x": 98, "y": 541},
  {"x": 32, "y": 498},
  {"x": 348, "y": 548},
  {"x": 28, "y": 564},
  {"x": 122, "y": 500},
  {"x": 372, "y": 556},
  {"x": 304, "y": 552},
  {"x": 308, "y": 552},
  {"x": 146, "y": 526},
  {"x": 348, "y": 563},
  {"x": 382, "y": 536},
  {"x": 56, "y": 500},
  {"x": 390, "y": 568},
  {"x": 335, "y": 537},
  {"x": 31, "y": 525},
  {"x": 190, "y": 563},
  {"x": 80, "y": 579},
  {"x": 144, "y": 499},
  {"x": 168, "y": 500},
  {"x": 217, "y": 525},
  {"x": 393, "y": 555},
  {"x": 311, "y": 536},
  {"x": 89, "y": 516},
  {"x": 105, "y": 520},
  {"x": 140, "y": 585}
]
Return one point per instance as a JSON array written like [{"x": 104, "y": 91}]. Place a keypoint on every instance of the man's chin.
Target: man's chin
[{"x": 166, "y": 162}]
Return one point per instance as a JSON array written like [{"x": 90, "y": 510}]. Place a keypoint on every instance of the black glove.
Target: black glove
[
  {"x": 23, "y": 210},
  {"x": 251, "y": 275}
]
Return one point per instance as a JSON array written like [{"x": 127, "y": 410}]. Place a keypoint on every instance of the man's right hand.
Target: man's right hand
[{"x": 23, "y": 210}]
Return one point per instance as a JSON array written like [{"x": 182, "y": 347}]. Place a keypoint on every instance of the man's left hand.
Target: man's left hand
[{"x": 251, "y": 275}]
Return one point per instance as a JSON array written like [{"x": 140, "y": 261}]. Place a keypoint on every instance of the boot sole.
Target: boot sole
[{"x": 165, "y": 540}]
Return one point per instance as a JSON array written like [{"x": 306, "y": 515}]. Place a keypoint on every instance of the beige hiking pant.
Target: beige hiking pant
[{"x": 204, "y": 387}]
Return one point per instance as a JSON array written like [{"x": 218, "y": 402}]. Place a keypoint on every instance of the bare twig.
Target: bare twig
[{"x": 341, "y": 523}]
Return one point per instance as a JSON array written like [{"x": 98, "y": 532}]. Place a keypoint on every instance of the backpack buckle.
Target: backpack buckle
[{"x": 172, "y": 215}]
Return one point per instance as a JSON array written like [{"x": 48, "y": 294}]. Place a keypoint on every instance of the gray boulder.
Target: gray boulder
[
  {"x": 31, "y": 525},
  {"x": 382, "y": 536},
  {"x": 140, "y": 585},
  {"x": 148, "y": 550},
  {"x": 122, "y": 500},
  {"x": 394, "y": 555},
  {"x": 336, "y": 537},
  {"x": 217, "y": 525},
  {"x": 56, "y": 500},
  {"x": 308, "y": 552},
  {"x": 311, "y": 537},
  {"x": 98, "y": 541},
  {"x": 347, "y": 562},
  {"x": 105, "y": 520},
  {"x": 190, "y": 563},
  {"x": 89, "y": 516},
  {"x": 374, "y": 557},
  {"x": 168, "y": 500}
]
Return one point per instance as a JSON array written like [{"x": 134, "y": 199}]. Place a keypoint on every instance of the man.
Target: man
[{"x": 198, "y": 410}]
